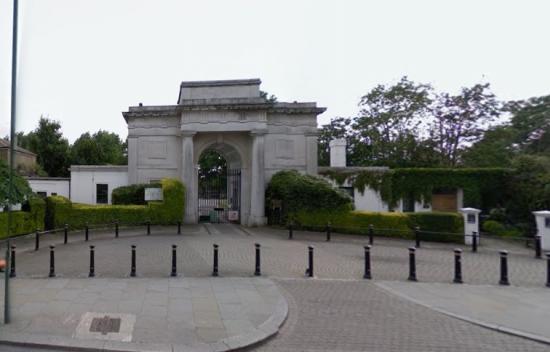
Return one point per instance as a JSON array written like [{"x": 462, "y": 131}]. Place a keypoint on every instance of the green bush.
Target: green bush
[
  {"x": 387, "y": 224},
  {"x": 449, "y": 225},
  {"x": 168, "y": 211},
  {"x": 131, "y": 194},
  {"x": 496, "y": 228},
  {"x": 297, "y": 192},
  {"x": 24, "y": 221}
]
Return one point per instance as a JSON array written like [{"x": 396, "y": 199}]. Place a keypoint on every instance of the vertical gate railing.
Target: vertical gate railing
[{"x": 219, "y": 197}]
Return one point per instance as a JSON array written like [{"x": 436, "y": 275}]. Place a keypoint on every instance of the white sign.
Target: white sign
[
  {"x": 153, "y": 194},
  {"x": 233, "y": 215}
]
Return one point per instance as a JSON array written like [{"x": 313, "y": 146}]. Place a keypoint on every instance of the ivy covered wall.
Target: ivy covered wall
[{"x": 483, "y": 187}]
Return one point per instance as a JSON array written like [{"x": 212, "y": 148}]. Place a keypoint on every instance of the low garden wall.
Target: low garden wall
[
  {"x": 61, "y": 211},
  {"x": 25, "y": 221}
]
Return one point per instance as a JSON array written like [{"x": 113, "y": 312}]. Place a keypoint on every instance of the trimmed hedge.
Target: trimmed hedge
[
  {"x": 297, "y": 192},
  {"x": 24, "y": 222},
  {"x": 132, "y": 194},
  {"x": 449, "y": 225},
  {"x": 61, "y": 211}
]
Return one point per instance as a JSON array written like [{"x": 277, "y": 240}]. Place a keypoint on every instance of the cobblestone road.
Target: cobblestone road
[
  {"x": 342, "y": 258},
  {"x": 336, "y": 312},
  {"x": 330, "y": 315}
]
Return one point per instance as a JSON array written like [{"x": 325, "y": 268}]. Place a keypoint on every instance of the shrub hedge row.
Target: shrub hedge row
[
  {"x": 25, "y": 221},
  {"x": 298, "y": 192},
  {"x": 434, "y": 226},
  {"x": 169, "y": 211},
  {"x": 132, "y": 194}
]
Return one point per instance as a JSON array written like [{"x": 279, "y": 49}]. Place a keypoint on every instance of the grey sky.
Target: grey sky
[{"x": 82, "y": 62}]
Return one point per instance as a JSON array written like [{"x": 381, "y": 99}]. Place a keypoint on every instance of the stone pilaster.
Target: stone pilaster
[
  {"x": 311, "y": 153},
  {"x": 257, "y": 189},
  {"x": 188, "y": 176}
]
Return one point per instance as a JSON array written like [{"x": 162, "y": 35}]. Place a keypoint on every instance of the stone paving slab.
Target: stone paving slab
[
  {"x": 522, "y": 311},
  {"x": 175, "y": 314}
]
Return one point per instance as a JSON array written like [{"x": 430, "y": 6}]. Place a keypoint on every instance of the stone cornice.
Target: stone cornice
[{"x": 222, "y": 105}]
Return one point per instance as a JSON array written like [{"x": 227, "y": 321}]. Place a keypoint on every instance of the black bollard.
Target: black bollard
[
  {"x": 504, "y": 268},
  {"x": 538, "y": 249},
  {"x": 412, "y": 264},
  {"x": 92, "y": 262},
  {"x": 309, "y": 271},
  {"x": 65, "y": 233},
  {"x": 52, "y": 261},
  {"x": 417, "y": 236},
  {"x": 371, "y": 234},
  {"x": 328, "y": 231},
  {"x": 257, "y": 269},
  {"x": 474, "y": 241},
  {"x": 86, "y": 232},
  {"x": 548, "y": 269},
  {"x": 215, "y": 268},
  {"x": 367, "y": 274},
  {"x": 116, "y": 228},
  {"x": 458, "y": 266},
  {"x": 12, "y": 261},
  {"x": 148, "y": 227},
  {"x": 179, "y": 227},
  {"x": 133, "y": 269},
  {"x": 290, "y": 235},
  {"x": 174, "y": 271},
  {"x": 37, "y": 240}
]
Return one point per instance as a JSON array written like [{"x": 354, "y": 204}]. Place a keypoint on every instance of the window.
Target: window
[
  {"x": 54, "y": 194},
  {"x": 102, "y": 193},
  {"x": 154, "y": 181},
  {"x": 471, "y": 219},
  {"x": 547, "y": 223},
  {"x": 42, "y": 194}
]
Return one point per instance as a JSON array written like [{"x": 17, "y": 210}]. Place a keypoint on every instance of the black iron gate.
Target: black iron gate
[{"x": 220, "y": 196}]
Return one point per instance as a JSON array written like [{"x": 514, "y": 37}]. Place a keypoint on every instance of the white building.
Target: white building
[{"x": 370, "y": 200}]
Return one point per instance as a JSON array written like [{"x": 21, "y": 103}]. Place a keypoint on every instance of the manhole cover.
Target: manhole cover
[{"x": 105, "y": 325}]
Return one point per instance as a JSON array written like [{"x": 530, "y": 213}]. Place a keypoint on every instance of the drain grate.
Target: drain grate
[{"x": 105, "y": 325}]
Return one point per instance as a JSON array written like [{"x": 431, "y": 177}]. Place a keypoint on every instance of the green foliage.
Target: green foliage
[
  {"x": 386, "y": 224},
  {"x": 26, "y": 221},
  {"x": 496, "y": 228},
  {"x": 20, "y": 190},
  {"x": 449, "y": 225},
  {"x": 298, "y": 192},
  {"x": 482, "y": 187},
  {"x": 101, "y": 148},
  {"x": 168, "y": 211},
  {"x": 52, "y": 150},
  {"x": 131, "y": 194},
  {"x": 528, "y": 190}
]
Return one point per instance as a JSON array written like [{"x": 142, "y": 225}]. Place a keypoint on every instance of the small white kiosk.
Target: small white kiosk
[
  {"x": 542, "y": 219},
  {"x": 471, "y": 223}
]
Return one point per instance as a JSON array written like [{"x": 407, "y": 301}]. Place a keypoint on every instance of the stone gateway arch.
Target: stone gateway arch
[{"x": 254, "y": 135}]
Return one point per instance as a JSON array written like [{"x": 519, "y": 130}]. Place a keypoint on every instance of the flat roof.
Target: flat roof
[{"x": 219, "y": 83}]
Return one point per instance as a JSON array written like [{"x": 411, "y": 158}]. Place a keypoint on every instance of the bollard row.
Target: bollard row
[{"x": 503, "y": 255}]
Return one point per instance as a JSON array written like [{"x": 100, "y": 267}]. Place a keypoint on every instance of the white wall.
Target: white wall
[
  {"x": 369, "y": 200},
  {"x": 85, "y": 178},
  {"x": 60, "y": 186}
]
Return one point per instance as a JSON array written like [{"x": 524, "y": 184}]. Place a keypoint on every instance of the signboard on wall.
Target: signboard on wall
[
  {"x": 153, "y": 194},
  {"x": 233, "y": 215}
]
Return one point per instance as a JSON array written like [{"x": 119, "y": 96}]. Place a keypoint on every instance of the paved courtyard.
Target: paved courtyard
[{"x": 336, "y": 311}]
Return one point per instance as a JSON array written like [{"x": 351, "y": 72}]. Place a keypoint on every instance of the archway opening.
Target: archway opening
[{"x": 219, "y": 185}]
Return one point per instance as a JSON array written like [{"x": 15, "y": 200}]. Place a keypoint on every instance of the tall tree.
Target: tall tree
[
  {"x": 47, "y": 142},
  {"x": 389, "y": 122},
  {"x": 531, "y": 120},
  {"x": 101, "y": 148},
  {"x": 461, "y": 119}
]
